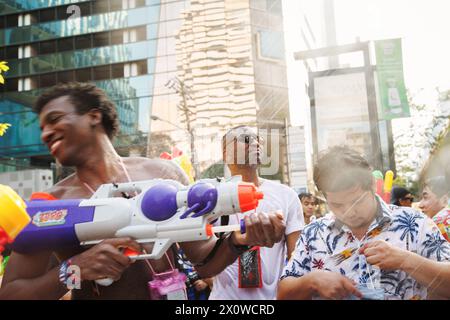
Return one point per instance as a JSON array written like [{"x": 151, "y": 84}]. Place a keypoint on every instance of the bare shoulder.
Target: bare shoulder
[
  {"x": 67, "y": 188},
  {"x": 156, "y": 169}
]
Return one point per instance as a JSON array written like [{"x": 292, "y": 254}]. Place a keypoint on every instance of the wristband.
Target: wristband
[{"x": 63, "y": 275}]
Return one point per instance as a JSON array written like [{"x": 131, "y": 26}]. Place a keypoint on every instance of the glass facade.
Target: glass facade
[
  {"x": 228, "y": 55},
  {"x": 112, "y": 44},
  {"x": 17, "y": 6},
  {"x": 81, "y": 25},
  {"x": 81, "y": 58}
]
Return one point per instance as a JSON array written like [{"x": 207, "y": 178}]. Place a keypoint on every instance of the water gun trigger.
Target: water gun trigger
[
  {"x": 189, "y": 211},
  {"x": 130, "y": 252}
]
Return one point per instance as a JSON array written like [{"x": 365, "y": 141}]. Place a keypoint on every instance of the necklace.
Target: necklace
[
  {"x": 96, "y": 288},
  {"x": 115, "y": 184}
]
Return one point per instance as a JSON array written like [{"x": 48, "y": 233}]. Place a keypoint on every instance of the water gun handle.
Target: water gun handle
[
  {"x": 105, "y": 282},
  {"x": 108, "y": 281},
  {"x": 210, "y": 230}
]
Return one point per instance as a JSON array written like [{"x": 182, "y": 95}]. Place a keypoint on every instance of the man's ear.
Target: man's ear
[{"x": 95, "y": 117}]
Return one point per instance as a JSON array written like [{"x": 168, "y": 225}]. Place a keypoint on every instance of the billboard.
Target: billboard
[
  {"x": 391, "y": 84},
  {"x": 341, "y": 112}
]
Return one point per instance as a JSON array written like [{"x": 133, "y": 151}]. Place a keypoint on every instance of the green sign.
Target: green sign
[{"x": 392, "y": 90}]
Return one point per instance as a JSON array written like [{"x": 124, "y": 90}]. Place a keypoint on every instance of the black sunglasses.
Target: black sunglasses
[{"x": 245, "y": 138}]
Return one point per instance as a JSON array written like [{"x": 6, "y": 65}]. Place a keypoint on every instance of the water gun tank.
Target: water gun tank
[{"x": 52, "y": 225}]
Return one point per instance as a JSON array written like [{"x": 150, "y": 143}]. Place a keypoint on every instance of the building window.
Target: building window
[
  {"x": 101, "y": 6},
  {"x": 12, "y": 53},
  {"x": 83, "y": 42},
  {"x": 128, "y": 4},
  {"x": 274, "y": 6},
  {"x": 116, "y": 37},
  {"x": 115, "y": 5},
  {"x": 47, "y": 15},
  {"x": 129, "y": 70},
  {"x": 142, "y": 67},
  {"x": 83, "y": 75},
  {"x": 24, "y": 20},
  {"x": 141, "y": 33},
  {"x": 25, "y": 84},
  {"x": 65, "y": 44},
  {"x": 34, "y": 17},
  {"x": 117, "y": 71},
  {"x": 47, "y": 80},
  {"x": 135, "y": 69},
  {"x": 12, "y": 85},
  {"x": 129, "y": 35},
  {"x": 12, "y": 21},
  {"x": 131, "y": 4},
  {"x": 102, "y": 73},
  {"x": 139, "y": 3},
  {"x": 270, "y": 45},
  {"x": 34, "y": 49},
  {"x": 101, "y": 39},
  {"x": 47, "y": 47},
  {"x": 66, "y": 76},
  {"x": 25, "y": 52},
  {"x": 135, "y": 34},
  {"x": 61, "y": 13}
]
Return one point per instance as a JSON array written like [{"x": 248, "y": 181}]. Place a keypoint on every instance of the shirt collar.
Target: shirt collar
[{"x": 384, "y": 215}]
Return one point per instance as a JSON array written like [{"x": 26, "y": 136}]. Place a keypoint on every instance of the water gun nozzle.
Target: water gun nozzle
[{"x": 249, "y": 196}]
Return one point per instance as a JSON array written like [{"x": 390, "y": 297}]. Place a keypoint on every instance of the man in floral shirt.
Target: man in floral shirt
[
  {"x": 442, "y": 220},
  {"x": 365, "y": 248},
  {"x": 434, "y": 203}
]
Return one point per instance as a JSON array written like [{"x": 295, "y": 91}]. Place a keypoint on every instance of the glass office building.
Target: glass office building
[
  {"x": 224, "y": 61},
  {"x": 109, "y": 42},
  {"x": 229, "y": 54}
]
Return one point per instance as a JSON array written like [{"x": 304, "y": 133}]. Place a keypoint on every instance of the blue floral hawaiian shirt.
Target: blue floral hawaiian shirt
[{"x": 327, "y": 244}]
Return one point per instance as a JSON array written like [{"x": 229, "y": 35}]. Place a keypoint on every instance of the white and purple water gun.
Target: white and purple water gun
[{"x": 163, "y": 212}]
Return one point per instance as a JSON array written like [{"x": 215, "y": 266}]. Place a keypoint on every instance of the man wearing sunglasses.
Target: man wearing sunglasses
[
  {"x": 365, "y": 249},
  {"x": 402, "y": 197},
  {"x": 255, "y": 275}
]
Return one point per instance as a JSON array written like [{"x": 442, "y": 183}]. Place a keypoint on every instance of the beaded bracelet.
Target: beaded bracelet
[{"x": 63, "y": 275}]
